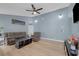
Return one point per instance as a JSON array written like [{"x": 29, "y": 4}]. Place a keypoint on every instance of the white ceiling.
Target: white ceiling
[{"x": 19, "y": 8}]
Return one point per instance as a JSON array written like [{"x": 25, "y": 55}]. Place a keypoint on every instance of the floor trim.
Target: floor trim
[{"x": 43, "y": 38}]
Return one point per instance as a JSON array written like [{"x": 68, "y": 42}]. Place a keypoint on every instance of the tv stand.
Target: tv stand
[{"x": 22, "y": 42}]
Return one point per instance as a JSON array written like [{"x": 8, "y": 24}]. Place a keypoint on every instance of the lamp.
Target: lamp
[
  {"x": 60, "y": 16},
  {"x": 36, "y": 21}
]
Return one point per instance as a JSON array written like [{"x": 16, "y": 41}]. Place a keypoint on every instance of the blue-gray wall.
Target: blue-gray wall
[
  {"x": 75, "y": 26},
  {"x": 6, "y": 22},
  {"x": 48, "y": 24},
  {"x": 52, "y": 27}
]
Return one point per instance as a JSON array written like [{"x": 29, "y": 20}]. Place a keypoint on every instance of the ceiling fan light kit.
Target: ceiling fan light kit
[
  {"x": 34, "y": 13},
  {"x": 34, "y": 10}
]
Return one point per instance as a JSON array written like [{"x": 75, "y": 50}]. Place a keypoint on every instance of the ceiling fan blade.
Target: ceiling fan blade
[
  {"x": 33, "y": 7},
  {"x": 39, "y": 9},
  {"x": 28, "y": 10},
  {"x": 38, "y": 12}
]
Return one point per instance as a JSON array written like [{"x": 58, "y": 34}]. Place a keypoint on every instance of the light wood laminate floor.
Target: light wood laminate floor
[{"x": 41, "y": 48}]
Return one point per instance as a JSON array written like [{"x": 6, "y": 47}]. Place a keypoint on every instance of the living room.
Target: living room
[{"x": 37, "y": 28}]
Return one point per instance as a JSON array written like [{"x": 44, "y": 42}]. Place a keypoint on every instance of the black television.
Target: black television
[{"x": 76, "y": 13}]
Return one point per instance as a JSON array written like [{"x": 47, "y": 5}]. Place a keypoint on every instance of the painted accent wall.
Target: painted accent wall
[
  {"x": 52, "y": 27},
  {"x": 48, "y": 24},
  {"x": 75, "y": 26},
  {"x": 5, "y": 21}
]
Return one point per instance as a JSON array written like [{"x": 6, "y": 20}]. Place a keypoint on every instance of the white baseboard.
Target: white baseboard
[{"x": 43, "y": 38}]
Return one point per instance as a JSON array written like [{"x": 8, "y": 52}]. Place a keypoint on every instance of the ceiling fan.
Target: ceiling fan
[{"x": 34, "y": 10}]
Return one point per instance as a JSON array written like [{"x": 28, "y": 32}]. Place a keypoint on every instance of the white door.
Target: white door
[{"x": 30, "y": 30}]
